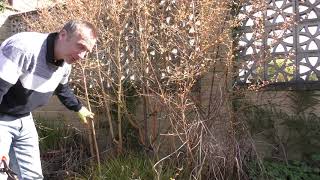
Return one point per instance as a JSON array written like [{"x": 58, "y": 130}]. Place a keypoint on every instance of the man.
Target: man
[{"x": 33, "y": 67}]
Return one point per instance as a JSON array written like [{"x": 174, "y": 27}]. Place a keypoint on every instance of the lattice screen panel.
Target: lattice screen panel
[
  {"x": 18, "y": 24},
  {"x": 280, "y": 41}
]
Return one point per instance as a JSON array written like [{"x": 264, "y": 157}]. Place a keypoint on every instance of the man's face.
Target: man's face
[{"x": 77, "y": 44}]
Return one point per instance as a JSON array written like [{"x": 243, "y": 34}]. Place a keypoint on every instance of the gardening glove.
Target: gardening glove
[{"x": 84, "y": 113}]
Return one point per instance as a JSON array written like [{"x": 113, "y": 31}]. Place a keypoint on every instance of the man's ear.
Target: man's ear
[{"x": 63, "y": 34}]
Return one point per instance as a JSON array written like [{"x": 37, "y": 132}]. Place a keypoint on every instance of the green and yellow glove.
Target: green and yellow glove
[{"x": 84, "y": 113}]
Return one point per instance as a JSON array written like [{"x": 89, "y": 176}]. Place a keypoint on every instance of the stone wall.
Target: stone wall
[{"x": 5, "y": 25}]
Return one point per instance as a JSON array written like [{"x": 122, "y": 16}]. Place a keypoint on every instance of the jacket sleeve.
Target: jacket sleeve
[
  {"x": 13, "y": 62},
  {"x": 67, "y": 97}
]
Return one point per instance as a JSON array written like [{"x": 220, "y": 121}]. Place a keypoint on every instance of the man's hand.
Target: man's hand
[{"x": 84, "y": 113}]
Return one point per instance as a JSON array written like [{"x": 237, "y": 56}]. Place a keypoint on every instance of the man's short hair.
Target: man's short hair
[{"x": 74, "y": 25}]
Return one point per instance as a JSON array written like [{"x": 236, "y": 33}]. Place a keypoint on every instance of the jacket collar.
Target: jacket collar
[{"x": 50, "y": 50}]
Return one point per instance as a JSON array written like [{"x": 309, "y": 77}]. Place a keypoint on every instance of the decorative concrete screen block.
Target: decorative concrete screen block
[
  {"x": 280, "y": 41},
  {"x": 17, "y": 23}
]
